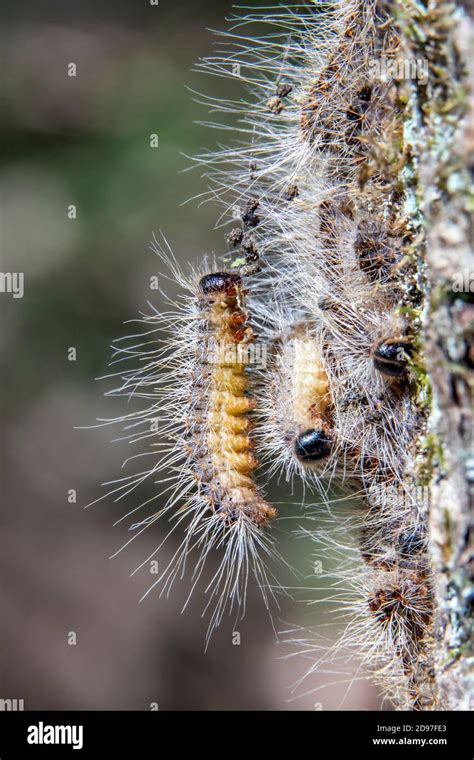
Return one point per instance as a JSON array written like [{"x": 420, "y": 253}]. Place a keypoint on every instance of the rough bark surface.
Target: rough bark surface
[{"x": 445, "y": 143}]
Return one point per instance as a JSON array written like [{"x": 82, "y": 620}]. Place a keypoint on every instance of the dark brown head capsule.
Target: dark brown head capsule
[
  {"x": 391, "y": 357},
  {"x": 218, "y": 282},
  {"x": 312, "y": 445}
]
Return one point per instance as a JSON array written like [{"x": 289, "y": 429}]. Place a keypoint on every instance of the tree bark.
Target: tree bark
[{"x": 444, "y": 139}]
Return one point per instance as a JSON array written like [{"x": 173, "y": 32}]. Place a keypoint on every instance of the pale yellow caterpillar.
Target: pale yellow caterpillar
[{"x": 295, "y": 404}]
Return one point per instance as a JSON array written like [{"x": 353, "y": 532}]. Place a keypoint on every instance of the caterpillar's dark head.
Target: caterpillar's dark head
[
  {"x": 219, "y": 282},
  {"x": 312, "y": 445},
  {"x": 391, "y": 356}
]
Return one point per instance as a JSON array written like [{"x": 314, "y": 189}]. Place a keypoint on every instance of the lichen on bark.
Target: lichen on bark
[{"x": 441, "y": 139}]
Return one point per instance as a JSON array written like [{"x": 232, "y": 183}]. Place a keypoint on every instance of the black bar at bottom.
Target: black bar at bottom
[{"x": 161, "y": 734}]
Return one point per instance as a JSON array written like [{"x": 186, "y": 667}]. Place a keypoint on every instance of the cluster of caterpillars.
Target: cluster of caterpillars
[
  {"x": 337, "y": 395},
  {"x": 324, "y": 272},
  {"x": 393, "y": 537}
]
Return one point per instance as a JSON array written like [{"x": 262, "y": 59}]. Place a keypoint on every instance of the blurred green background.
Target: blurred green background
[{"x": 85, "y": 140}]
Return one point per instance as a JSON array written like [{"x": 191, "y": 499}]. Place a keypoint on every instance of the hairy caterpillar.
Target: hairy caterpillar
[
  {"x": 194, "y": 371},
  {"x": 310, "y": 399},
  {"x": 295, "y": 430},
  {"x": 383, "y": 607},
  {"x": 219, "y": 427}
]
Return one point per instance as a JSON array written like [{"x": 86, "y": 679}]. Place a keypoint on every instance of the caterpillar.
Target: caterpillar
[
  {"x": 194, "y": 365},
  {"x": 383, "y": 606},
  {"x": 296, "y": 427},
  {"x": 219, "y": 428}
]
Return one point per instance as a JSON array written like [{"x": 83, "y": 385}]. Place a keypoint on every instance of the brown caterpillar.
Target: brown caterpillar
[
  {"x": 402, "y": 606},
  {"x": 335, "y": 118},
  {"x": 344, "y": 263}
]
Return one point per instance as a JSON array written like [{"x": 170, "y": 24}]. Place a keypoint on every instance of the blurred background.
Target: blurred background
[{"x": 85, "y": 141}]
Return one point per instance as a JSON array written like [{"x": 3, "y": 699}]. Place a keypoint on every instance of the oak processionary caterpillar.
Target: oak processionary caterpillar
[
  {"x": 196, "y": 381},
  {"x": 329, "y": 247},
  {"x": 295, "y": 432}
]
